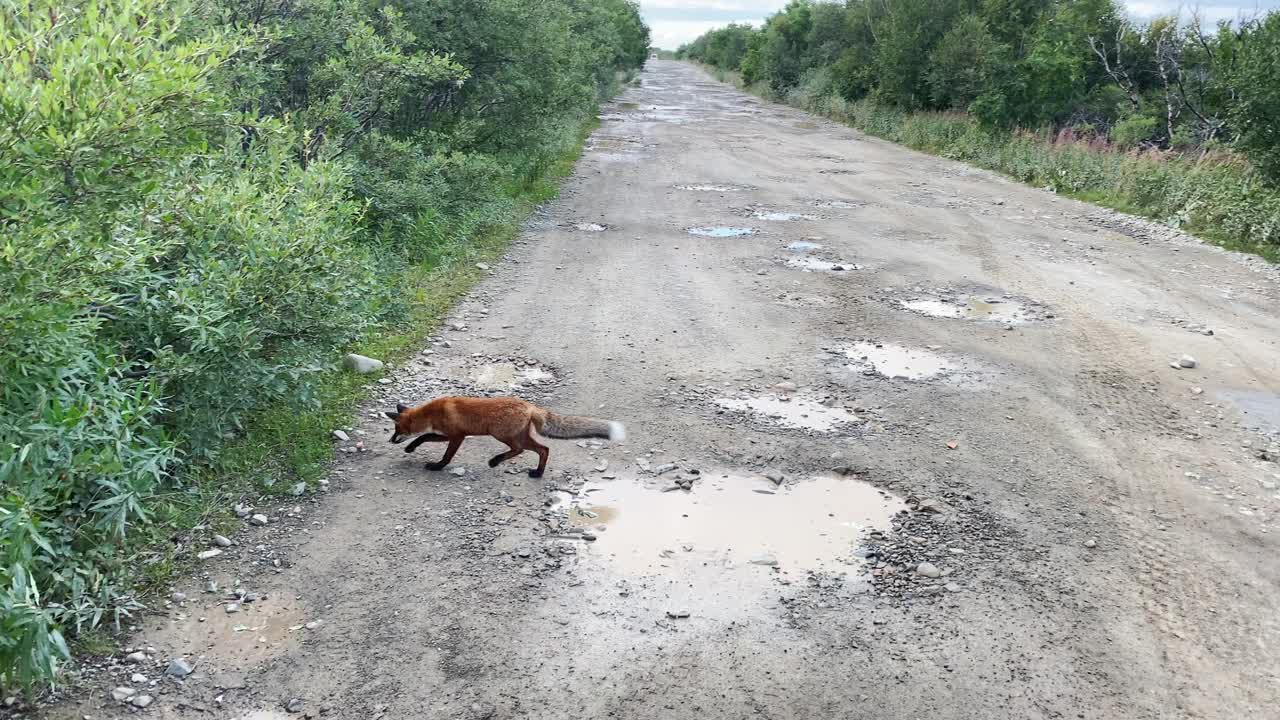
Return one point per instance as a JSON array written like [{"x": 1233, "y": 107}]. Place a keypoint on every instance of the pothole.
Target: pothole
[
  {"x": 804, "y": 246},
  {"x": 779, "y": 215},
  {"x": 794, "y": 411},
  {"x": 730, "y": 521},
  {"x": 981, "y": 308},
  {"x": 1259, "y": 410},
  {"x": 837, "y": 204},
  {"x": 813, "y": 264},
  {"x": 897, "y": 362},
  {"x": 709, "y": 187},
  {"x": 805, "y": 301},
  {"x": 506, "y": 375},
  {"x": 720, "y": 231},
  {"x": 588, "y": 227}
]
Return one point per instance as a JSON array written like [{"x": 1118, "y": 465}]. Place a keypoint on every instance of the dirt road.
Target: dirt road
[{"x": 913, "y": 443}]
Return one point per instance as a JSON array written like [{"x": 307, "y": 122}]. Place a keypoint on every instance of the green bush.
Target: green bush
[{"x": 201, "y": 207}]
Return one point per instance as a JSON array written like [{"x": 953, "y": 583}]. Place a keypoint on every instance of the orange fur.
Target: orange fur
[{"x": 511, "y": 421}]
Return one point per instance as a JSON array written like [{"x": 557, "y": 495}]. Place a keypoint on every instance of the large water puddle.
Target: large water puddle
[
  {"x": 897, "y": 362},
  {"x": 1259, "y": 410},
  {"x": 720, "y": 232},
  {"x": 982, "y": 309},
  {"x": 792, "y": 411},
  {"x": 813, "y": 524}
]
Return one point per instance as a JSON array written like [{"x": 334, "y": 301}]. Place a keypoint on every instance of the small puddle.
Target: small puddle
[
  {"x": 813, "y": 264},
  {"x": 836, "y": 204},
  {"x": 508, "y": 375},
  {"x": 733, "y": 521},
  {"x": 627, "y": 106},
  {"x": 790, "y": 411},
  {"x": 779, "y": 216},
  {"x": 806, "y": 125},
  {"x": 713, "y": 188},
  {"x": 1260, "y": 410},
  {"x": 897, "y": 362},
  {"x": 590, "y": 227},
  {"x": 721, "y": 231},
  {"x": 972, "y": 308},
  {"x": 804, "y": 246},
  {"x": 266, "y": 628}
]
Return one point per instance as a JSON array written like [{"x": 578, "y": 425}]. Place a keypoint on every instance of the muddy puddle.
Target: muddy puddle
[
  {"x": 589, "y": 227},
  {"x": 813, "y": 264},
  {"x": 1258, "y": 410},
  {"x": 988, "y": 309},
  {"x": 792, "y": 411},
  {"x": 804, "y": 246},
  {"x": 268, "y": 627},
  {"x": 813, "y": 524},
  {"x": 897, "y": 362},
  {"x": 721, "y": 231}
]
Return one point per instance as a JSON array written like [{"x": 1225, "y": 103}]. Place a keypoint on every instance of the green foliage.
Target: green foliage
[
  {"x": 963, "y": 63},
  {"x": 200, "y": 207},
  {"x": 1256, "y": 111},
  {"x": 1133, "y": 131},
  {"x": 1050, "y": 64}
]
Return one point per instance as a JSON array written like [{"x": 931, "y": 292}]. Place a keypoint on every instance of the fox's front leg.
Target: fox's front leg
[
  {"x": 454, "y": 444},
  {"x": 425, "y": 437}
]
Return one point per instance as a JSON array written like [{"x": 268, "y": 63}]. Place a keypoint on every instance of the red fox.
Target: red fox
[{"x": 511, "y": 421}]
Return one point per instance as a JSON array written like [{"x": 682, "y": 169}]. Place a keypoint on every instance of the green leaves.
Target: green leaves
[{"x": 201, "y": 205}]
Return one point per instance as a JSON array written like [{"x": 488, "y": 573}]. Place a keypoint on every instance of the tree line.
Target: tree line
[
  {"x": 201, "y": 202},
  {"x": 1078, "y": 64}
]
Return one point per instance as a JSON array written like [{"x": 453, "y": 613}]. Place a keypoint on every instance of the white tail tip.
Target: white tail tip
[{"x": 617, "y": 433}]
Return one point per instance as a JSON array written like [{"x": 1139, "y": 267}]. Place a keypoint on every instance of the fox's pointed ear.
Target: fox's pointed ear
[
  {"x": 401, "y": 407},
  {"x": 392, "y": 415}
]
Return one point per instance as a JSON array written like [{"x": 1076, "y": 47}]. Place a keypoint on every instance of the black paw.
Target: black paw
[
  {"x": 493, "y": 462},
  {"x": 409, "y": 449},
  {"x": 434, "y": 466},
  {"x": 535, "y": 473}
]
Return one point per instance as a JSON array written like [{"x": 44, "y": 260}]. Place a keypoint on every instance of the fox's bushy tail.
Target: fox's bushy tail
[{"x": 572, "y": 426}]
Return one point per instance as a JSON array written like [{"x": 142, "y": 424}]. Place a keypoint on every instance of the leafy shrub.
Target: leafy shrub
[{"x": 199, "y": 208}]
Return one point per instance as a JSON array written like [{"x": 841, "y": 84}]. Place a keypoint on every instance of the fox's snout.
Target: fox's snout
[{"x": 396, "y": 436}]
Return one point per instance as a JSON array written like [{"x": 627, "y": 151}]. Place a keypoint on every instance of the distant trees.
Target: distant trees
[{"x": 1167, "y": 82}]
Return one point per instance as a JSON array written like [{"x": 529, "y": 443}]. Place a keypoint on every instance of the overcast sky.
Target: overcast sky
[{"x": 675, "y": 22}]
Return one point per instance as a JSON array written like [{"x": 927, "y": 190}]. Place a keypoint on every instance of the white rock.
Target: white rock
[
  {"x": 258, "y": 520},
  {"x": 222, "y": 541},
  {"x": 928, "y": 570},
  {"x": 121, "y": 694},
  {"x": 210, "y": 553},
  {"x": 141, "y": 701},
  {"x": 341, "y": 436},
  {"x": 361, "y": 364},
  {"x": 1186, "y": 361}
]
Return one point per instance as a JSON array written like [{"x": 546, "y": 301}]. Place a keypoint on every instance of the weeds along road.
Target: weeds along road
[{"x": 906, "y": 441}]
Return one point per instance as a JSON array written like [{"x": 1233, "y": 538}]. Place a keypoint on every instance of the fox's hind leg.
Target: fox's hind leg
[
  {"x": 449, "y": 452},
  {"x": 543, "y": 451},
  {"x": 503, "y": 457}
]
